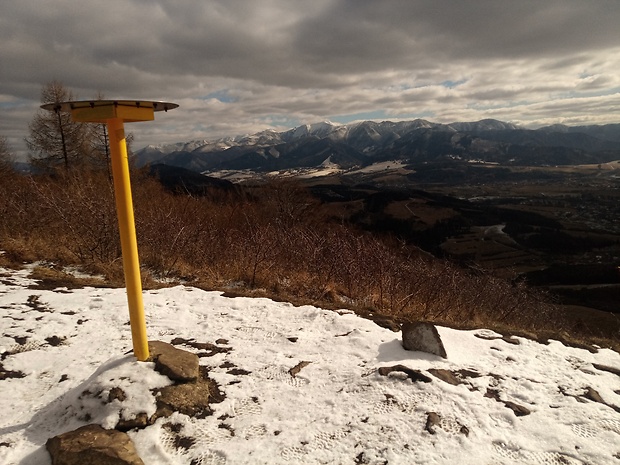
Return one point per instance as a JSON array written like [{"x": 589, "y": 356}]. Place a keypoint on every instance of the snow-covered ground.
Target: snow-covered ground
[{"x": 72, "y": 345}]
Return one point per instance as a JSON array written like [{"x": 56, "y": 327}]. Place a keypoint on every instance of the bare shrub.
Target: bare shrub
[
  {"x": 168, "y": 228},
  {"x": 273, "y": 239},
  {"x": 78, "y": 207}
]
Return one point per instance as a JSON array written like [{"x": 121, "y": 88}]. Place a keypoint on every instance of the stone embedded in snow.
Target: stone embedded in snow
[
  {"x": 615, "y": 371},
  {"x": 93, "y": 444},
  {"x": 386, "y": 322},
  {"x": 6, "y": 374},
  {"x": 433, "y": 421},
  {"x": 453, "y": 377},
  {"x": 176, "y": 364},
  {"x": 446, "y": 376},
  {"x": 194, "y": 393},
  {"x": 140, "y": 421},
  {"x": 191, "y": 399},
  {"x": 297, "y": 368},
  {"x": 413, "y": 375},
  {"x": 423, "y": 337},
  {"x": 519, "y": 410},
  {"x": 593, "y": 395}
]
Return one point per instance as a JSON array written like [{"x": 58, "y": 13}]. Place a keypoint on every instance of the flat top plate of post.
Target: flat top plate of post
[
  {"x": 69, "y": 106},
  {"x": 100, "y": 111}
]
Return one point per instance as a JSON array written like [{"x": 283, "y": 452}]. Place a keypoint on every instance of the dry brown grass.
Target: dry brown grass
[{"x": 272, "y": 241}]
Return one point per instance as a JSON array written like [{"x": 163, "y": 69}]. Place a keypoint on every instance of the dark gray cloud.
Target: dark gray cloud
[{"x": 240, "y": 65}]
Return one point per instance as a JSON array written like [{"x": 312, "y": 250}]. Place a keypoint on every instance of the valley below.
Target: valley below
[
  {"x": 540, "y": 206},
  {"x": 555, "y": 227}
]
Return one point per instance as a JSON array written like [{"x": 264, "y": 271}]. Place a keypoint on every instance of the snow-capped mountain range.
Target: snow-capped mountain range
[{"x": 368, "y": 142}]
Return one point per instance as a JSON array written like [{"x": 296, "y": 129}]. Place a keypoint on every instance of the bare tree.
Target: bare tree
[
  {"x": 6, "y": 157},
  {"x": 54, "y": 137},
  {"x": 100, "y": 153}
]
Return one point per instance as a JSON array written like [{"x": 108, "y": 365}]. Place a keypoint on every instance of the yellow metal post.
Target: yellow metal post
[
  {"x": 114, "y": 113},
  {"x": 129, "y": 244}
]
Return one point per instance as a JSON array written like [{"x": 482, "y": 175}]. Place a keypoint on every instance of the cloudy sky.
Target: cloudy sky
[{"x": 240, "y": 66}]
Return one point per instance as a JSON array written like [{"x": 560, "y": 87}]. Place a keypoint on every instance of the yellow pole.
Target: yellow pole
[{"x": 129, "y": 244}]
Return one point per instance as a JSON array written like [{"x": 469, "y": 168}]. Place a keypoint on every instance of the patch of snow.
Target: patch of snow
[
  {"x": 494, "y": 230},
  {"x": 378, "y": 167},
  {"x": 76, "y": 272},
  {"x": 320, "y": 173},
  {"x": 233, "y": 175},
  {"x": 327, "y": 163},
  {"x": 482, "y": 162}
]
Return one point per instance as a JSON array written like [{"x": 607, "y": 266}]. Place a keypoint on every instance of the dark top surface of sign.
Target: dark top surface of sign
[{"x": 68, "y": 106}]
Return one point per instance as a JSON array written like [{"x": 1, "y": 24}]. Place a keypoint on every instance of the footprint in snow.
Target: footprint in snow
[
  {"x": 589, "y": 430},
  {"x": 254, "y": 431},
  {"x": 281, "y": 374},
  {"x": 250, "y": 406},
  {"x": 25, "y": 347},
  {"x": 401, "y": 402},
  {"x": 516, "y": 455},
  {"x": 258, "y": 333},
  {"x": 321, "y": 441},
  {"x": 193, "y": 440}
]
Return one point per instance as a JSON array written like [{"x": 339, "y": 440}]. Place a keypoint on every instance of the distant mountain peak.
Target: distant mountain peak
[
  {"x": 322, "y": 129},
  {"x": 487, "y": 124},
  {"x": 555, "y": 128}
]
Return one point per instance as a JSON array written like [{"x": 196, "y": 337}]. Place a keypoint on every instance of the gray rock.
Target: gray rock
[
  {"x": 386, "y": 322},
  {"x": 453, "y": 377},
  {"x": 191, "y": 399},
  {"x": 140, "y": 421},
  {"x": 519, "y": 410},
  {"x": 176, "y": 364},
  {"x": 423, "y": 337},
  {"x": 413, "y": 375},
  {"x": 297, "y": 368},
  {"x": 446, "y": 376},
  {"x": 594, "y": 396},
  {"x": 93, "y": 444},
  {"x": 615, "y": 371}
]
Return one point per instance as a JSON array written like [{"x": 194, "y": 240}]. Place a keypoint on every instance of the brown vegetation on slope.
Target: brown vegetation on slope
[{"x": 271, "y": 240}]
